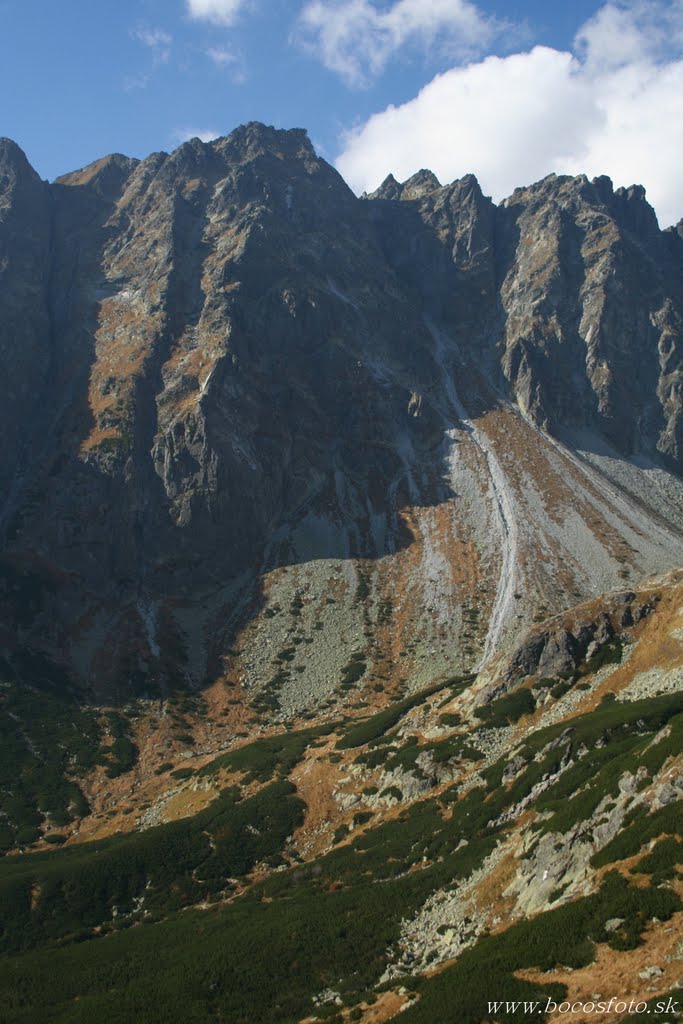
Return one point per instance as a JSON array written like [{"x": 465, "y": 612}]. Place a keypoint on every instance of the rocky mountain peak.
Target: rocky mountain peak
[
  {"x": 389, "y": 189},
  {"x": 604, "y": 187},
  {"x": 420, "y": 184},
  {"x": 633, "y": 209},
  {"x": 14, "y": 162},
  {"x": 255, "y": 137},
  {"x": 224, "y": 365},
  {"x": 105, "y": 177}
]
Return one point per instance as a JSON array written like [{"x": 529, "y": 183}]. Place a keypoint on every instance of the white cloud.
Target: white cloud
[
  {"x": 626, "y": 33},
  {"x": 614, "y": 107},
  {"x": 219, "y": 12},
  {"x": 229, "y": 61},
  {"x": 219, "y": 55},
  {"x": 356, "y": 39},
  {"x": 133, "y": 82},
  {"x": 156, "y": 40},
  {"x": 204, "y": 134}
]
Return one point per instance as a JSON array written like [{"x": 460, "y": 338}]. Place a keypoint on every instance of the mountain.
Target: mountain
[
  {"x": 224, "y": 365},
  {"x": 339, "y": 588}
]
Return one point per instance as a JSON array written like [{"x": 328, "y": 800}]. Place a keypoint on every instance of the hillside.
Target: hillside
[
  {"x": 342, "y": 616},
  {"x": 528, "y": 824}
]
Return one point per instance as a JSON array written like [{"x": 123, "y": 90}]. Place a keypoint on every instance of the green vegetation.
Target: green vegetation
[
  {"x": 405, "y": 757},
  {"x": 326, "y": 924},
  {"x": 308, "y": 915},
  {"x": 354, "y": 670},
  {"x": 268, "y": 698},
  {"x": 116, "y": 444},
  {"x": 361, "y": 818},
  {"x": 122, "y": 754},
  {"x": 655, "y": 1013},
  {"x": 362, "y": 589},
  {"x": 264, "y": 758},
  {"x": 564, "y": 937},
  {"x": 67, "y": 913},
  {"x": 662, "y": 863},
  {"x": 456, "y": 747},
  {"x": 560, "y": 689},
  {"x": 188, "y": 704},
  {"x": 507, "y": 710},
  {"x": 51, "y": 896},
  {"x": 616, "y": 738},
  {"x": 316, "y": 923},
  {"x": 373, "y": 728},
  {"x": 591, "y": 778},
  {"x": 640, "y": 828},
  {"x": 384, "y": 612},
  {"x": 287, "y": 653},
  {"x": 450, "y": 719},
  {"x": 44, "y": 740},
  {"x": 610, "y": 653},
  {"x": 392, "y": 792}
]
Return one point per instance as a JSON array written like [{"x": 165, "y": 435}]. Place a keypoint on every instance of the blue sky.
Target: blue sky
[{"x": 510, "y": 91}]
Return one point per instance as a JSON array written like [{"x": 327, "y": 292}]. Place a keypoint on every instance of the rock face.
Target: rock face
[
  {"x": 25, "y": 335},
  {"x": 210, "y": 353},
  {"x": 594, "y": 293},
  {"x": 565, "y": 288}
]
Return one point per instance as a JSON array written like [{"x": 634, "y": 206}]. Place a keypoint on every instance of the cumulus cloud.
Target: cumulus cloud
[
  {"x": 626, "y": 33},
  {"x": 156, "y": 40},
  {"x": 356, "y": 39},
  {"x": 204, "y": 134},
  {"x": 219, "y": 12},
  {"x": 229, "y": 61},
  {"x": 220, "y": 56},
  {"x": 614, "y": 106},
  {"x": 160, "y": 44}
]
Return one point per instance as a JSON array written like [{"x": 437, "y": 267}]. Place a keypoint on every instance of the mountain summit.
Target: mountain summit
[{"x": 220, "y": 363}]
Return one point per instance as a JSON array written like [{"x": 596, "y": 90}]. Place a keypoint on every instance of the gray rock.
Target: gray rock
[
  {"x": 668, "y": 794},
  {"x": 219, "y": 362},
  {"x": 650, "y": 972}
]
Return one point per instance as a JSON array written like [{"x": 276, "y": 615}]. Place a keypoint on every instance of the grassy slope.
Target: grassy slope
[{"x": 327, "y": 924}]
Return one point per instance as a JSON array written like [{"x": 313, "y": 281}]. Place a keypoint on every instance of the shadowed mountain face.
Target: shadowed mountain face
[
  {"x": 568, "y": 291},
  {"x": 223, "y": 373}
]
